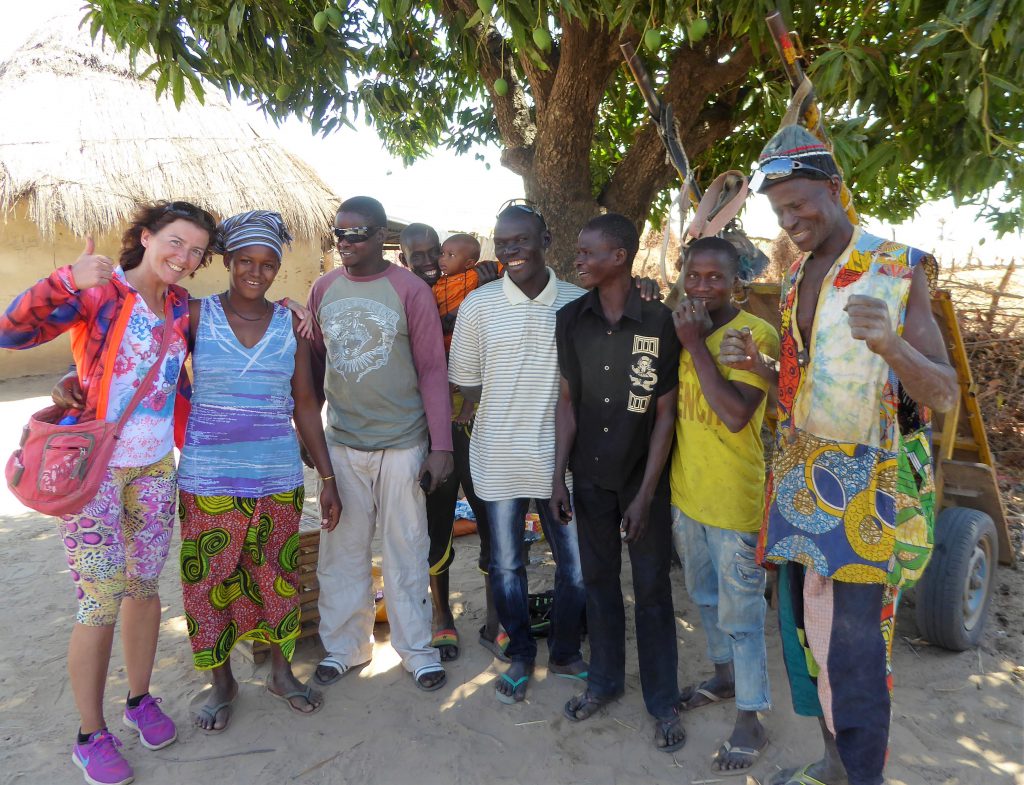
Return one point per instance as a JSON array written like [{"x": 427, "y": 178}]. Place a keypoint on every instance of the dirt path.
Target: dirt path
[{"x": 957, "y": 717}]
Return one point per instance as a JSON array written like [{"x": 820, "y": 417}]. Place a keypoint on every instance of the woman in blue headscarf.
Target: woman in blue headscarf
[{"x": 240, "y": 476}]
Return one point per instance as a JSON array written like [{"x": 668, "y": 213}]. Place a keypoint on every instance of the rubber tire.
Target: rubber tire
[{"x": 939, "y": 596}]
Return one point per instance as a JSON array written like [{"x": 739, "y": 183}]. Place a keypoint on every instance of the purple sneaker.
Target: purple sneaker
[
  {"x": 156, "y": 730},
  {"x": 100, "y": 760}
]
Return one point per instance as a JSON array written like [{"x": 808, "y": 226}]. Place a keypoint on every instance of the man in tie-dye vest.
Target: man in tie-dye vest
[{"x": 849, "y": 504}]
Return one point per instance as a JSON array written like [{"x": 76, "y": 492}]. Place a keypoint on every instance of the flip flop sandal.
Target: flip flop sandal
[
  {"x": 729, "y": 749},
  {"x": 518, "y": 689},
  {"x": 496, "y": 647},
  {"x": 447, "y": 638},
  {"x": 661, "y": 731},
  {"x": 712, "y": 698},
  {"x": 567, "y": 672},
  {"x": 428, "y": 669},
  {"x": 587, "y": 702},
  {"x": 209, "y": 713},
  {"x": 339, "y": 668},
  {"x": 801, "y": 777},
  {"x": 306, "y": 694}
]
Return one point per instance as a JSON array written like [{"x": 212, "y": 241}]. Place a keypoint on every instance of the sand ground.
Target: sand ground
[{"x": 958, "y": 719}]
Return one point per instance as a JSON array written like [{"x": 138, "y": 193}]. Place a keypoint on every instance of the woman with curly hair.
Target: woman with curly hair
[{"x": 117, "y": 544}]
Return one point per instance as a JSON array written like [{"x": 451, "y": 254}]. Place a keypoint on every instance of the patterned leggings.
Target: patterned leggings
[{"x": 117, "y": 545}]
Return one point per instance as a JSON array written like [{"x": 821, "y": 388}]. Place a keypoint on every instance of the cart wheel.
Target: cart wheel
[{"x": 956, "y": 588}]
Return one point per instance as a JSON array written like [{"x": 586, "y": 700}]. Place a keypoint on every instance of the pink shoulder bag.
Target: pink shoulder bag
[{"x": 57, "y": 469}]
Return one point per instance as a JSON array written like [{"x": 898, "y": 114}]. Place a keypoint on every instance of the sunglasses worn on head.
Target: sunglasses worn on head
[
  {"x": 521, "y": 204},
  {"x": 187, "y": 210},
  {"x": 355, "y": 234},
  {"x": 778, "y": 168}
]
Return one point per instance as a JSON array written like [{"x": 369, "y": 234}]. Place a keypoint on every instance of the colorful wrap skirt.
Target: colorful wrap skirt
[{"x": 239, "y": 574}]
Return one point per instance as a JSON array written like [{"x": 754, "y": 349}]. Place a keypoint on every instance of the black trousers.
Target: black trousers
[
  {"x": 441, "y": 509},
  {"x": 598, "y": 514}
]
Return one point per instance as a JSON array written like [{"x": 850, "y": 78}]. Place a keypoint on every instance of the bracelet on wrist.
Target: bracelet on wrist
[{"x": 328, "y": 477}]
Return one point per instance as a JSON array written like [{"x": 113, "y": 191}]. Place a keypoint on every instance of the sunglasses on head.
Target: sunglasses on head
[
  {"x": 355, "y": 234},
  {"x": 525, "y": 205},
  {"x": 778, "y": 168},
  {"x": 189, "y": 211}
]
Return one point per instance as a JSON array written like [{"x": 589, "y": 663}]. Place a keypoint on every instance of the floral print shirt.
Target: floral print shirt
[{"x": 149, "y": 433}]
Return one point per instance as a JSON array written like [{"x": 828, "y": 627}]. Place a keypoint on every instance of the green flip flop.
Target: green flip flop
[{"x": 518, "y": 689}]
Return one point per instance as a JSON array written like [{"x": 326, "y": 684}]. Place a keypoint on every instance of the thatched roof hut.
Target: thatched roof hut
[{"x": 83, "y": 140}]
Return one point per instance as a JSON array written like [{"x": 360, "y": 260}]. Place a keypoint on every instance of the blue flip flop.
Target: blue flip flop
[{"x": 518, "y": 689}]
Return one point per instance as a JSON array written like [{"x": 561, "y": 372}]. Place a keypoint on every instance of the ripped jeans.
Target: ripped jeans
[{"x": 727, "y": 584}]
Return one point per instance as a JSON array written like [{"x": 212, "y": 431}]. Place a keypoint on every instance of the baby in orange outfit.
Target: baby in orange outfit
[{"x": 459, "y": 255}]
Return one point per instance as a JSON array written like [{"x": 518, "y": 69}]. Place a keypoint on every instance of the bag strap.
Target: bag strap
[{"x": 140, "y": 393}]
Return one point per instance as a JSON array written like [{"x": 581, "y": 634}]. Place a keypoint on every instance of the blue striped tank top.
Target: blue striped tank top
[{"x": 240, "y": 440}]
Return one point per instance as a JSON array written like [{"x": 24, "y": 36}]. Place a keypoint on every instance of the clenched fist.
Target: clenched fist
[
  {"x": 870, "y": 322},
  {"x": 738, "y": 350},
  {"x": 692, "y": 322}
]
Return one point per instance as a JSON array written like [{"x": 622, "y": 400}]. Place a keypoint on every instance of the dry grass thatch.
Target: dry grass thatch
[{"x": 83, "y": 140}]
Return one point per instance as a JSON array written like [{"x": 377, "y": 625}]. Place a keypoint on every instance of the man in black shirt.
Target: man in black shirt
[{"x": 619, "y": 359}]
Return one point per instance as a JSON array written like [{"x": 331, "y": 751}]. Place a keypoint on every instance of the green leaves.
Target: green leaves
[
  {"x": 922, "y": 99},
  {"x": 235, "y": 17}
]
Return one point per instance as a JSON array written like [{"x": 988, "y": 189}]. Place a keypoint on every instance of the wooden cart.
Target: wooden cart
[{"x": 971, "y": 533}]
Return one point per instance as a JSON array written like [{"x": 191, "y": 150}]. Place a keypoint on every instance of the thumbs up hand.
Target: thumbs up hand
[{"x": 91, "y": 269}]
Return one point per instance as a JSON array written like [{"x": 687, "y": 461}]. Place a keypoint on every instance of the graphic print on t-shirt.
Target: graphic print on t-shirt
[
  {"x": 643, "y": 376},
  {"x": 358, "y": 334}
]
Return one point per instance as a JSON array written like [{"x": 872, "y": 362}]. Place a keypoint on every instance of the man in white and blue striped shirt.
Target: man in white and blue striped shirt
[{"x": 504, "y": 355}]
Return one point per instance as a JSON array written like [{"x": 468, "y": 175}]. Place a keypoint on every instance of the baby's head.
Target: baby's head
[{"x": 458, "y": 253}]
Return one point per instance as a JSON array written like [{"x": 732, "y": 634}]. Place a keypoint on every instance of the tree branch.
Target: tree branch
[
  {"x": 541, "y": 81},
  {"x": 587, "y": 58},
  {"x": 694, "y": 76},
  {"x": 512, "y": 112}
]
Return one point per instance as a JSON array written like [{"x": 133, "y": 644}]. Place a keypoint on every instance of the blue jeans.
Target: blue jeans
[
  {"x": 727, "y": 583},
  {"x": 507, "y": 574}
]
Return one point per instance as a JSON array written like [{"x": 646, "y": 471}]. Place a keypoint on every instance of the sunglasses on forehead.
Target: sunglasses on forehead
[
  {"x": 778, "y": 168},
  {"x": 188, "y": 210},
  {"x": 355, "y": 234},
  {"x": 525, "y": 205}
]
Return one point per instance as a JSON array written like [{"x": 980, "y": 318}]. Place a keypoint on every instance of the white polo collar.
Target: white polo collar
[{"x": 515, "y": 295}]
